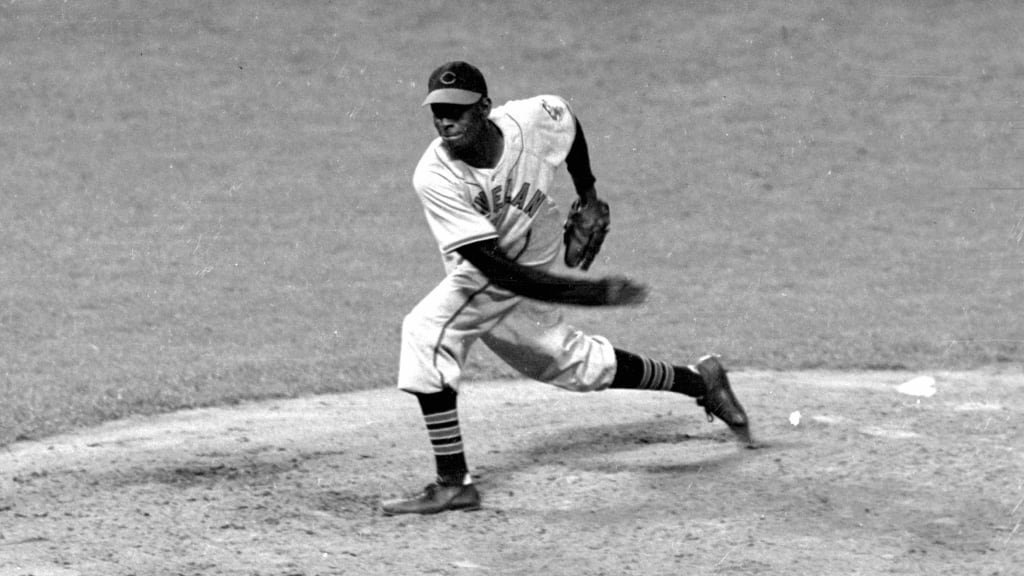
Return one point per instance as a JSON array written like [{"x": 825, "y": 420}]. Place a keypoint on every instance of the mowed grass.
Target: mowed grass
[{"x": 204, "y": 203}]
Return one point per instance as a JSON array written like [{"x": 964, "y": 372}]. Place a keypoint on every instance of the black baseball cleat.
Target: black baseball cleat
[
  {"x": 435, "y": 498},
  {"x": 718, "y": 399}
]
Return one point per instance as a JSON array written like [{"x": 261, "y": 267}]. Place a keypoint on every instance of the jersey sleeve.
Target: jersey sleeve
[
  {"x": 551, "y": 124},
  {"x": 449, "y": 213}
]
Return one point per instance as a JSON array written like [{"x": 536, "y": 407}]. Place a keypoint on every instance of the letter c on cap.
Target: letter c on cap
[{"x": 448, "y": 78}]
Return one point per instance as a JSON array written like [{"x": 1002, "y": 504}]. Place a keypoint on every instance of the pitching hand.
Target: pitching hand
[{"x": 622, "y": 291}]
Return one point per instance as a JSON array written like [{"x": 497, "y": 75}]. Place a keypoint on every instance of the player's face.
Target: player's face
[{"x": 462, "y": 128}]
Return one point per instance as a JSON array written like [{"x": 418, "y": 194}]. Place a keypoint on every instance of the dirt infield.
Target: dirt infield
[{"x": 867, "y": 480}]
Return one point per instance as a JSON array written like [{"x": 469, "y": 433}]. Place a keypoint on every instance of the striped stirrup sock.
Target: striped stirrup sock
[
  {"x": 636, "y": 372},
  {"x": 445, "y": 436},
  {"x": 442, "y": 420}
]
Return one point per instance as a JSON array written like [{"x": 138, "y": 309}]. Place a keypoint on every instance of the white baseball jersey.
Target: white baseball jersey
[{"x": 509, "y": 202}]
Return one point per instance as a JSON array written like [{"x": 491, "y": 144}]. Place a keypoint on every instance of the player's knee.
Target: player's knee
[
  {"x": 579, "y": 381},
  {"x": 414, "y": 327},
  {"x": 584, "y": 364},
  {"x": 407, "y": 324},
  {"x": 418, "y": 369}
]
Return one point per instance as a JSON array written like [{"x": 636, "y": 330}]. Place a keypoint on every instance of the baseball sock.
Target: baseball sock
[
  {"x": 639, "y": 373},
  {"x": 441, "y": 415}
]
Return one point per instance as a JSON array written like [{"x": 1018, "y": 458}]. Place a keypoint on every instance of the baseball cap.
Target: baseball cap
[{"x": 455, "y": 83}]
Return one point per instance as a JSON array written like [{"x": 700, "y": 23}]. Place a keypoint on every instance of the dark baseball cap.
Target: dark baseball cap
[{"x": 455, "y": 83}]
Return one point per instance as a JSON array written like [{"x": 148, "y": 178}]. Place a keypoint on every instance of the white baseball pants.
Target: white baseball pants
[{"x": 530, "y": 336}]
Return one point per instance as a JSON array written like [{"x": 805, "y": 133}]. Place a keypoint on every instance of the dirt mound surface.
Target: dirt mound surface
[{"x": 855, "y": 475}]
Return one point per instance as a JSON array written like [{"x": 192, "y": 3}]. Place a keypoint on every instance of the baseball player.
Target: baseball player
[{"x": 485, "y": 185}]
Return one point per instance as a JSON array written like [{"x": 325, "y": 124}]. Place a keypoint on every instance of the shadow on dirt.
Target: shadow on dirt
[{"x": 607, "y": 448}]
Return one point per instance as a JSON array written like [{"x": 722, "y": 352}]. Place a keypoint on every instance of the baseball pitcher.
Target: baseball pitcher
[{"x": 485, "y": 185}]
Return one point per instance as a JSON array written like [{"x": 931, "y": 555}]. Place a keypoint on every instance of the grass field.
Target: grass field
[{"x": 210, "y": 202}]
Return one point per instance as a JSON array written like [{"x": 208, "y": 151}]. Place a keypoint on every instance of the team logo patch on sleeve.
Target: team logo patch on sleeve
[{"x": 555, "y": 112}]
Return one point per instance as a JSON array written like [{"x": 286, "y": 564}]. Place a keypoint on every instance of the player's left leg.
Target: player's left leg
[
  {"x": 453, "y": 489},
  {"x": 436, "y": 337}
]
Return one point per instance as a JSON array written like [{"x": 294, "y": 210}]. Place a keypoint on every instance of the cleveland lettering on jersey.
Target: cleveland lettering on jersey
[{"x": 494, "y": 203}]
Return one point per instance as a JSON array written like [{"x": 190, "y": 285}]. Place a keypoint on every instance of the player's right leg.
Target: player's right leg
[
  {"x": 706, "y": 381},
  {"x": 719, "y": 400},
  {"x": 536, "y": 341}
]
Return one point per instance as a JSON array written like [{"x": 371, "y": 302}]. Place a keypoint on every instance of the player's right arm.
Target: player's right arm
[
  {"x": 537, "y": 284},
  {"x": 459, "y": 228}
]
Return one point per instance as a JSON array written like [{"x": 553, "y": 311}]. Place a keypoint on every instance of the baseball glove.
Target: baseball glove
[{"x": 585, "y": 229}]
